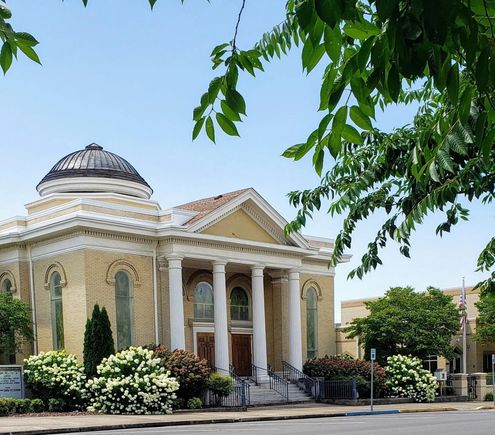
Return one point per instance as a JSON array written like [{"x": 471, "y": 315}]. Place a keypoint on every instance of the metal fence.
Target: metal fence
[
  {"x": 306, "y": 383},
  {"x": 338, "y": 390}
]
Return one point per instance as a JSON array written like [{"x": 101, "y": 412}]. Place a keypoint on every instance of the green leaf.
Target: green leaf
[
  {"x": 305, "y": 14},
  {"x": 152, "y": 3},
  {"x": 30, "y": 53},
  {"x": 235, "y": 101},
  {"x": 453, "y": 83},
  {"x": 5, "y": 12},
  {"x": 350, "y": 134},
  {"x": 214, "y": 87},
  {"x": 465, "y": 104},
  {"x": 198, "y": 113},
  {"x": 228, "y": 112},
  {"x": 482, "y": 70},
  {"x": 23, "y": 38},
  {"x": 226, "y": 125},
  {"x": 210, "y": 129},
  {"x": 360, "y": 30},
  {"x": 433, "y": 172},
  {"x": 384, "y": 8},
  {"x": 360, "y": 118},
  {"x": 333, "y": 43},
  {"x": 393, "y": 82},
  {"x": 318, "y": 161},
  {"x": 5, "y": 57},
  {"x": 317, "y": 54},
  {"x": 328, "y": 11},
  {"x": 197, "y": 127}
]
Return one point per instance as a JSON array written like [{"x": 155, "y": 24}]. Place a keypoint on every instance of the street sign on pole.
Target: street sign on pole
[
  {"x": 372, "y": 357},
  {"x": 493, "y": 377}
]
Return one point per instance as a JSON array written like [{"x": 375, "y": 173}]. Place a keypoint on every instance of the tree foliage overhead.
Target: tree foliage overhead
[
  {"x": 375, "y": 54},
  {"x": 405, "y": 322}
]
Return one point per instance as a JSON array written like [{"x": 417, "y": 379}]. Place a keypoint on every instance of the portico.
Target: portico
[{"x": 226, "y": 325}]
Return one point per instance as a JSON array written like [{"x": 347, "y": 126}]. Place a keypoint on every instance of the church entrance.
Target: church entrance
[
  {"x": 241, "y": 354},
  {"x": 206, "y": 347}
]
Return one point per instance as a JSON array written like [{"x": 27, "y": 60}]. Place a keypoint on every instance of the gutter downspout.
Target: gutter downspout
[
  {"x": 33, "y": 300},
  {"x": 155, "y": 295}
]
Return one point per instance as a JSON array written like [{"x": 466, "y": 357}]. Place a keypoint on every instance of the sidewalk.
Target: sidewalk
[{"x": 77, "y": 423}]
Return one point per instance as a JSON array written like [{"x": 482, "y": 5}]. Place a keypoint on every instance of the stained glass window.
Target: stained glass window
[
  {"x": 239, "y": 304},
  {"x": 124, "y": 299},
  {"x": 203, "y": 301},
  {"x": 57, "y": 311},
  {"x": 311, "y": 322}
]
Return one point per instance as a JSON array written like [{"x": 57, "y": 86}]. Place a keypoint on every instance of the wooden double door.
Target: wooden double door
[{"x": 241, "y": 351}]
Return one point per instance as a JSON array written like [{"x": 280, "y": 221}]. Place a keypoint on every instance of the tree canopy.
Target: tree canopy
[
  {"x": 408, "y": 323},
  {"x": 485, "y": 326},
  {"x": 15, "y": 324},
  {"x": 376, "y": 54}
]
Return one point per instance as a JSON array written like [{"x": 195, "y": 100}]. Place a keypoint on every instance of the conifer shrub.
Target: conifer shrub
[{"x": 98, "y": 340}]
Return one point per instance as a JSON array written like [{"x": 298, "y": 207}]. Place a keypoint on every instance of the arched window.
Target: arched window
[
  {"x": 203, "y": 301},
  {"x": 124, "y": 309},
  {"x": 311, "y": 322},
  {"x": 6, "y": 286},
  {"x": 239, "y": 304},
  {"x": 57, "y": 311}
]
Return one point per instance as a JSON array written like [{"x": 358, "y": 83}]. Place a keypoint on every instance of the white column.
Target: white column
[
  {"x": 295, "y": 340},
  {"x": 259, "y": 330},
  {"x": 221, "y": 332},
  {"x": 177, "y": 337}
]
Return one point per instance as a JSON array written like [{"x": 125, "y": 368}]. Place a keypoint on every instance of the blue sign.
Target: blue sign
[{"x": 373, "y": 354}]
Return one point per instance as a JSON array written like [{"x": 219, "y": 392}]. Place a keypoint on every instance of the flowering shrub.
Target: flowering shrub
[
  {"x": 342, "y": 367},
  {"x": 56, "y": 375},
  {"x": 407, "y": 378},
  {"x": 132, "y": 382},
  {"x": 191, "y": 371}
]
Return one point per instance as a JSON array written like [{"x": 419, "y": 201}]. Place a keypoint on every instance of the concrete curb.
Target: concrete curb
[{"x": 220, "y": 420}]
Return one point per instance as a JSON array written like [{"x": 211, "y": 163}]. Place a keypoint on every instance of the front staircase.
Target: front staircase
[{"x": 263, "y": 395}]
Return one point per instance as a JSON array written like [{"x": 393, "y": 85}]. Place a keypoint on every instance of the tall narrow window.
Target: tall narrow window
[
  {"x": 6, "y": 286},
  {"x": 203, "y": 301},
  {"x": 239, "y": 304},
  {"x": 311, "y": 322},
  {"x": 124, "y": 309},
  {"x": 57, "y": 311}
]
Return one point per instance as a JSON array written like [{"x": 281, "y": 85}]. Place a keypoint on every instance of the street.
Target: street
[{"x": 452, "y": 423}]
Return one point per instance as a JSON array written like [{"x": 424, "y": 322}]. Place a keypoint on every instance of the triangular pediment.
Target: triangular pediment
[
  {"x": 240, "y": 225},
  {"x": 247, "y": 216}
]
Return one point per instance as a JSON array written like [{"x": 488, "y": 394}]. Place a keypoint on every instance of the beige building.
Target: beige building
[
  {"x": 478, "y": 355},
  {"x": 217, "y": 276}
]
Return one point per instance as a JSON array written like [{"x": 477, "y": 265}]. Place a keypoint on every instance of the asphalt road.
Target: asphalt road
[{"x": 451, "y": 423}]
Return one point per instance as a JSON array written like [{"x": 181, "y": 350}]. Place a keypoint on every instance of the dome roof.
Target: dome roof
[{"x": 94, "y": 170}]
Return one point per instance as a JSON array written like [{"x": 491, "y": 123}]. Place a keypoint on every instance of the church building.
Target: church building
[{"x": 217, "y": 276}]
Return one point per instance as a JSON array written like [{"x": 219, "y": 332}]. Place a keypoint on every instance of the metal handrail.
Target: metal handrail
[
  {"x": 277, "y": 383},
  {"x": 296, "y": 376},
  {"x": 240, "y": 386}
]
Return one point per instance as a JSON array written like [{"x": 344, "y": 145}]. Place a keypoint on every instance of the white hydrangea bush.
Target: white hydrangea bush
[
  {"x": 56, "y": 375},
  {"x": 405, "y": 377},
  {"x": 132, "y": 382}
]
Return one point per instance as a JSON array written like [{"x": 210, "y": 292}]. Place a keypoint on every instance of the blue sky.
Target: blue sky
[{"x": 127, "y": 78}]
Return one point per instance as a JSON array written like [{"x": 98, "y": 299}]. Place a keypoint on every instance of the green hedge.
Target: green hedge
[{"x": 20, "y": 406}]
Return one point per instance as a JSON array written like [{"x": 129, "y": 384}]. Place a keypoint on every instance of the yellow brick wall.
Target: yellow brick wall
[
  {"x": 99, "y": 291},
  {"x": 73, "y": 300}
]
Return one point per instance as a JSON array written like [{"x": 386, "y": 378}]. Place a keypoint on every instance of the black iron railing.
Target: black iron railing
[
  {"x": 277, "y": 383},
  {"x": 338, "y": 390},
  {"x": 306, "y": 383},
  {"x": 239, "y": 397}
]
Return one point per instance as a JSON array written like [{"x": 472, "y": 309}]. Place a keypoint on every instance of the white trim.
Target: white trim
[{"x": 95, "y": 184}]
